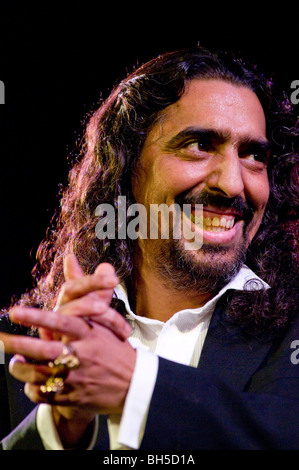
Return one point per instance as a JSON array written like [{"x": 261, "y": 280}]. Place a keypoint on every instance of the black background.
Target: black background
[{"x": 57, "y": 58}]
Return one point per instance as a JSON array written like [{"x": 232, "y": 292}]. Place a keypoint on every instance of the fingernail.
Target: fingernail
[
  {"x": 16, "y": 313},
  {"x": 128, "y": 329},
  {"x": 110, "y": 282}
]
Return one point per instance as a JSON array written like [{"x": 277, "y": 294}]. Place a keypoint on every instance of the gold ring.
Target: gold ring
[
  {"x": 52, "y": 385},
  {"x": 66, "y": 361},
  {"x": 68, "y": 358}
]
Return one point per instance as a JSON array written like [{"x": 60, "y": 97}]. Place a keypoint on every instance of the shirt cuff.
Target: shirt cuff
[
  {"x": 47, "y": 429},
  {"x": 138, "y": 399}
]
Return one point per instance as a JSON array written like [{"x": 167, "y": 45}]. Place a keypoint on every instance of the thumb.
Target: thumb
[
  {"x": 106, "y": 270},
  {"x": 71, "y": 267},
  {"x": 71, "y": 270}
]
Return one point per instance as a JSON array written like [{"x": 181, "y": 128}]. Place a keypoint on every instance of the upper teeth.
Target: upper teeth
[{"x": 210, "y": 223}]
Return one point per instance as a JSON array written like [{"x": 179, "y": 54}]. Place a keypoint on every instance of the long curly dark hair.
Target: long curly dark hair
[{"x": 107, "y": 158}]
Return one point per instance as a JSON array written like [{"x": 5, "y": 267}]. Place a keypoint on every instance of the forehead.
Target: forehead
[{"x": 213, "y": 104}]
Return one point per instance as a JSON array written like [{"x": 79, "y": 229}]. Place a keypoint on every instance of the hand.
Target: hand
[
  {"x": 81, "y": 295},
  {"x": 98, "y": 386},
  {"x": 89, "y": 296}
]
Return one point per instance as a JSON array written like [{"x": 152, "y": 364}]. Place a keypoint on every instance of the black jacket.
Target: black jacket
[{"x": 243, "y": 395}]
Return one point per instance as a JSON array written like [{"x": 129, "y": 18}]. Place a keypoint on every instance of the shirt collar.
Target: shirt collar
[{"x": 245, "y": 279}]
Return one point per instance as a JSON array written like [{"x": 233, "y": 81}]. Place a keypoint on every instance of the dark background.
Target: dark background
[{"x": 56, "y": 59}]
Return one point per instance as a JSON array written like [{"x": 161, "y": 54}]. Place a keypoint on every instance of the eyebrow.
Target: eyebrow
[{"x": 215, "y": 135}]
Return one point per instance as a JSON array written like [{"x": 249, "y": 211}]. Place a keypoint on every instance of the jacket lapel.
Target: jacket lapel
[
  {"x": 102, "y": 442},
  {"x": 234, "y": 358},
  {"x": 225, "y": 350}
]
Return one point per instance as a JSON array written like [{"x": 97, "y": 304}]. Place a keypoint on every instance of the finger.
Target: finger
[
  {"x": 71, "y": 267},
  {"x": 25, "y": 372},
  {"x": 65, "y": 398},
  {"x": 96, "y": 310},
  {"x": 107, "y": 271},
  {"x": 71, "y": 270},
  {"x": 104, "y": 271},
  {"x": 34, "y": 393},
  {"x": 76, "y": 288},
  {"x": 17, "y": 358},
  {"x": 46, "y": 334},
  {"x": 32, "y": 348},
  {"x": 115, "y": 322},
  {"x": 66, "y": 325}
]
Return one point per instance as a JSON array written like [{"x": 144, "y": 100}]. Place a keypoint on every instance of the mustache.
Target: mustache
[{"x": 206, "y": 198}]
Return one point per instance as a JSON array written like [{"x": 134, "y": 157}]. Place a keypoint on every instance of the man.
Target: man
[{"x": 201, "y": 358}]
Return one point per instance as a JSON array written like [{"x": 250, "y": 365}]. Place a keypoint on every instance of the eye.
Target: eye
[
  {"x": 199, "y": 146},
  {"x": 252, "y": 157},
  {"x": 259, "y": 156}
]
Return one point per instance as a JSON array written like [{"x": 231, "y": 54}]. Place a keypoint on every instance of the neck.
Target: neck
[{"x": 158, "y": 301}]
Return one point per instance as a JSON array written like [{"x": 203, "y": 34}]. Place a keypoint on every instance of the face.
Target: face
[{"x": 209, "y": 148}]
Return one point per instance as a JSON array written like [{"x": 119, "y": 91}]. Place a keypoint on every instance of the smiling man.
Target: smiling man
[
  {"x": 167, "y": 347},
  {"x": 210, "y": 146}
]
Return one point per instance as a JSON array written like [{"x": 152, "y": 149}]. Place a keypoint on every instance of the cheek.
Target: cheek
[
  {"x": 177, "y": 176},
  {"x": 257, "y": 190},
  {"x": 156, "y": 184},
  {"x": 148, "y": 187},
  {"x": 262, "y": 195},
  {"x": 257, "y": 195}
]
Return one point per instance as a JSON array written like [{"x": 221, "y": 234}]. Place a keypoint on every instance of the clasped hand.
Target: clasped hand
[{"x": 107, "y": 360}]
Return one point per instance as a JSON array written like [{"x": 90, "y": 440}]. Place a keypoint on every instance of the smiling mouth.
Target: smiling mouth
[
  {"x": 214, "y": 222},
  {"x": 215, "y": 214}
]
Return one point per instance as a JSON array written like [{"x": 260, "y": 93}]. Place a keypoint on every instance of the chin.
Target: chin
[{"x": 204, "y": 270}]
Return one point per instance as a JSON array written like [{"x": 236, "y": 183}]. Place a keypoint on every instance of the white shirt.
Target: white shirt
[{"x": 180, "y": 339}]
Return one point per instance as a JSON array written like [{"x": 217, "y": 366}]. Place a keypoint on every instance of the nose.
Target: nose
[{"x": 226, "y": 174}]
